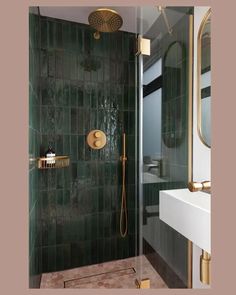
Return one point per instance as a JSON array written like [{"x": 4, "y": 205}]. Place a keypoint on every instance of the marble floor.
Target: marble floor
[{"x": 113, "y": 274}]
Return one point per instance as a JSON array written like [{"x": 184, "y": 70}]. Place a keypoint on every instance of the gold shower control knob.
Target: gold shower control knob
[
  {"x": 97, "y": 134},
  {"x": 96, "y": 139},
  {"x": 97, "y": 143}
]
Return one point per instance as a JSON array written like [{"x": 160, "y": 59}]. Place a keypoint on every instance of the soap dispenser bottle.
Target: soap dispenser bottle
[{"x": 50, "y": 155}]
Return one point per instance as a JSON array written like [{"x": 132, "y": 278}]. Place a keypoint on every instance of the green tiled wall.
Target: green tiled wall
[
  {"x": 172, "y": 246},
  {"x": 35, "y": 266},
  {"x": 85, "y": 84}
]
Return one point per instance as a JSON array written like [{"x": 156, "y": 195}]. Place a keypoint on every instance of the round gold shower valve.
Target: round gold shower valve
[{"x": 96, "y": 139}]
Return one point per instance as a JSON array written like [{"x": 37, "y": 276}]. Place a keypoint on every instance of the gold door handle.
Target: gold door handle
[{"x": 199, "y": 186}]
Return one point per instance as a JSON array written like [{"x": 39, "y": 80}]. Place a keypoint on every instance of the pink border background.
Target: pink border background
[{"x": 14, "y": 146}]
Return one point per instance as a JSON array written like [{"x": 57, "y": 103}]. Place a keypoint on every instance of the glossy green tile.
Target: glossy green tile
[
  {"x": 131, "y": 200},
  {"x": 82, "y": 121},
  {"x": 59, "y": 120},
  {"x": 45, "y": 267},
  {"x": 66, "y": 65},
  {"x": 74, "y": 147},
  {"x": 52, "y": 203},
  {"x": 52, "y": 258},
  {"x": 76, "y": 99},
  {"x": 44, "y": 35},
  {"x": 84, "y": 129},
  {"x": 51, "y": 174},
  {"x": 80, "y": 96},
  {"x": 67, "y": 256},
  {"x": 74, "y": 171},
  {"x": 122, "y": 246},
  {"x": 51, "y": 63},
  {"x": 51, "y": 34},
  {"x": 67, "y": 178},
  {"x": 66, "y": 92},
  {"x": 80, "y": 41},
  {"x": 58, "y": 35},
  {"x": 43, "y": 63},
  {"x": 80, "y": 70},
  {"x": 114, "y": 223},
  {"x": 66, "y": 138},
  {"x": 60, "y": 211},
  {"x": 73, "y": 118},
  {"x": 43, "y": 180},
  {"x": 94, "y": 251},
  {"x": 107, "y": 249},
  {"x": 73, "y": 36},
  {"x": 81, "y": 147},
  {"x": 73, "y": 96},
  {"x": 94, "y": 226},
  {"x": 59, "y": 97},
  {"x": 66, "y": 35},
  {"x": 59, "y": 178},
  {"x": 66, "y": 120},
  {"x": 48, "y": 92},
  {"x": 60, "y": 258}
]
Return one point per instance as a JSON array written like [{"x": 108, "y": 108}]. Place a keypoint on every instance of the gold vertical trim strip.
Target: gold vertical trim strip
[{"x": 190, "y": 135}]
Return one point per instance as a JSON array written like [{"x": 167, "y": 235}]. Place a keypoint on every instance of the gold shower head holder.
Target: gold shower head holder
[{"x": 105, "y": 20}]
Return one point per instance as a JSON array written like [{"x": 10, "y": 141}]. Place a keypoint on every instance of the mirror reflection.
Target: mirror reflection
[{"x": 204, "y": 98}]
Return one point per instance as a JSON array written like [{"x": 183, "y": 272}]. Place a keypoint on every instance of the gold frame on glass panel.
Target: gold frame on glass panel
[{"x": 199, "y": 61}]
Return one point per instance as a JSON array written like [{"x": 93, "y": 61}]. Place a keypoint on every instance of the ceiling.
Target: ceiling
[
  {"x": 80, "y": 14},
  {"x": 143, "y": 20}
]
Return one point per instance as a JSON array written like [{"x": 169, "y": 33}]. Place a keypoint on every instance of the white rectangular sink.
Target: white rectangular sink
[{"x": 189, "y": 214}]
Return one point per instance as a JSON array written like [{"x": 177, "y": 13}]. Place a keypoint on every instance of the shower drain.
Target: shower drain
[{"x": 100, "y": 280}]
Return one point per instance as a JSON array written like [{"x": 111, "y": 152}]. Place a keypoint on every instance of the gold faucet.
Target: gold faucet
[{"x": 199, "y": 186}]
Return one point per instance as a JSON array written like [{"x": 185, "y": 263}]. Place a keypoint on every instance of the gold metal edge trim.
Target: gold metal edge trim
[
  {"x": 143, "y": 284},
  {"x": 60, "y": 162},
  {"x": 107, "y": 9},
  {"x": 199, "y": 111},
  {"x": 190, "y": 136}
]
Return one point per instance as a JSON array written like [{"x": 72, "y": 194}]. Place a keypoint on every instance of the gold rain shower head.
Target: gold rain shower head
[{"x": 105, "y": 20}]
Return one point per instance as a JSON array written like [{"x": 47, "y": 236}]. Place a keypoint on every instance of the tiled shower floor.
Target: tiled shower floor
[{"x": 114, "y": 274}]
